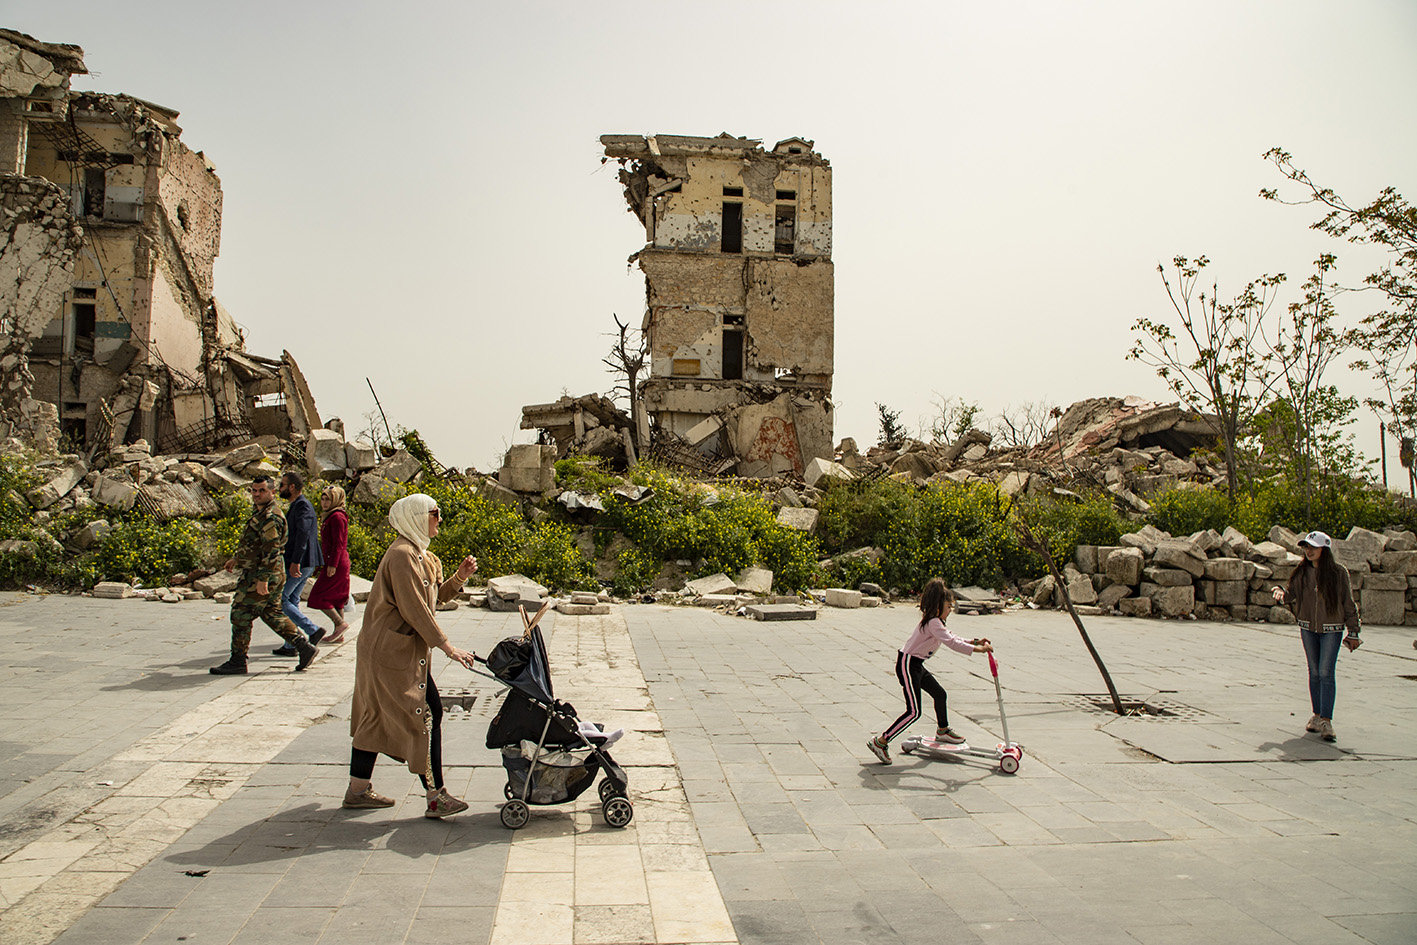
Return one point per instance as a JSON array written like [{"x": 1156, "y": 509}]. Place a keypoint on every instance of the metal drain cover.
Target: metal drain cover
[{"x": 1154, "y": 708}]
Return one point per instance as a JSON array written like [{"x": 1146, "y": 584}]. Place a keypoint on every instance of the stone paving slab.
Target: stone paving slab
[
  {"x": 1221, "y": 823},
  {"x": 224, "y": 825},
  {"x": 759, "y": 816}
]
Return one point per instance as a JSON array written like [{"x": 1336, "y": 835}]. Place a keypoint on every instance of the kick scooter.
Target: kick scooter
[{"x": 1006, "y": 753}]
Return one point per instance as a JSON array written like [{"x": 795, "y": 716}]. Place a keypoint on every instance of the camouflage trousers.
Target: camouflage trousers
[{"x": 246, "y": 607}]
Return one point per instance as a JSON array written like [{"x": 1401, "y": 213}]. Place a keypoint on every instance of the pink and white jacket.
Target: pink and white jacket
[{"x": 927, "y": 636}]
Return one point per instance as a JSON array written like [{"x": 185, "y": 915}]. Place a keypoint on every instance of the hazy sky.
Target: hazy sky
[{"x": 414, "y": 193}]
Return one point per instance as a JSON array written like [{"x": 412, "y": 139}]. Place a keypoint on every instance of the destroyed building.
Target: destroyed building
[
  {"x": 110, "y": 309},
  {"x": 739, "y": 291}
]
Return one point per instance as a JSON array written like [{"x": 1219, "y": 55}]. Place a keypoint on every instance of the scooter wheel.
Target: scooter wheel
[
  {"x": 618, "y": 811},
  {"x": 515, "y": 814},
  {"x": 1008, "y": 764}
]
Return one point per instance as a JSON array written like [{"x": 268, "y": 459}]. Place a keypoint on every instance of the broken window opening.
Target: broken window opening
[
  {"x": 686, "y": 367},
  {"x": 732, "y": 355},
  {"x": 74, "y": 429},
  {"x": 80, "y": 293},
  {"x": 732, "y": 319},
  {"x": 787, "y": 195},
  {"x": 794, "y": 150},
  {"x": 182, "y": 217},
  {"x": 95, "y": 185},
  {"x": 785, "y": 237},
  {"x": 85, "y": 325},
  {"x": 732, "y": 228},
  {"x": 733, "y": 191},
  {"x": 268, "y": 400}
]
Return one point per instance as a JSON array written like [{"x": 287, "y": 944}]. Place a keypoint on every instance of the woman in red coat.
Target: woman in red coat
[{"x": 331, "y": 590}]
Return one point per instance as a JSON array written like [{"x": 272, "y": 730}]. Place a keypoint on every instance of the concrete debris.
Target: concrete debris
[
  {"x": 802, "y": 519},
  {"x": 713, "y": 584},
  {"x": 112, "y": 590},
  {"x": 754, "y": 581},
  {"x": 529, "y": 469},
  {"x": 780, "y": 612}
]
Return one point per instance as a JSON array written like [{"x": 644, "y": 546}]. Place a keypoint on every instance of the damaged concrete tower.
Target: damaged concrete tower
[
  {"x": 134, "y": 344},
  {"x": 739, "y": 296}
]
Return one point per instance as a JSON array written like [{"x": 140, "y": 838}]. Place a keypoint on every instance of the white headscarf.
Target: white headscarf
[{"x": 409, "y": 517}]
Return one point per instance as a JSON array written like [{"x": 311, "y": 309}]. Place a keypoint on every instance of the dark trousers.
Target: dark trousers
[
  {"x": 914, "y": 678},
  {"x": 361, "y": 762}
]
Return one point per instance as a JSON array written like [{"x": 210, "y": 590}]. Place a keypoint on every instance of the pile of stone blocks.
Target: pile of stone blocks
[{"x": 1225, "y": 576}]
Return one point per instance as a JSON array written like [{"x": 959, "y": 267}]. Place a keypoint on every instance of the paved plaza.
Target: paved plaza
[{"x": 142, "y": 800}]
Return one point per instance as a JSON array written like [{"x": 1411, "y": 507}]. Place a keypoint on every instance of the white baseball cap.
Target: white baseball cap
[{"x": 1316, "y": 540}]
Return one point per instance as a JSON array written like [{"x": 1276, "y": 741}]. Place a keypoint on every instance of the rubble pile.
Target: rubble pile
[{"x": 1225, "y": 576}]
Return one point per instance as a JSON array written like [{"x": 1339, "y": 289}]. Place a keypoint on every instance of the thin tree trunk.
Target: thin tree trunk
[{"x": 1032, "y": 541}]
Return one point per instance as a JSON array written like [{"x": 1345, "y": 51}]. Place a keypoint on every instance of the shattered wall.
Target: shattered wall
[
  {"x": 140, "y": 302},
  {"x": 739, "y": 285},
  {"x": 39, "y": 242}
]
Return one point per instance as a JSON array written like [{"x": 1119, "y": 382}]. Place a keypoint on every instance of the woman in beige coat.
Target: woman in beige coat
[{"x": 397, "y": 711}]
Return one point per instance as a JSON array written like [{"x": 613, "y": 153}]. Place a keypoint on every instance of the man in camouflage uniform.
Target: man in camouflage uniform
[{"x": 260, "y": 556}]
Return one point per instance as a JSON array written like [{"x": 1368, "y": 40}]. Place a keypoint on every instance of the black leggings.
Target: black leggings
[
  {"x": 914, "y": 677},
  {"x": 361, "y": 762}
]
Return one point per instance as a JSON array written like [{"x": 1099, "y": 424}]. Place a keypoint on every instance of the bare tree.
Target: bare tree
[
  {"x": 953, "y": 418},
  {"x": 1215, "y": 364},
  {"x": 626, "y": 361},
  {"x": 1387, "y": 338},
  {"x": 1024, "y": 425}
]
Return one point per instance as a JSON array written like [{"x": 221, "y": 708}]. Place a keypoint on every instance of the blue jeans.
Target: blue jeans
[
  {"x": 290, "y": 600},
  {"x": 1321, "y": 650}
]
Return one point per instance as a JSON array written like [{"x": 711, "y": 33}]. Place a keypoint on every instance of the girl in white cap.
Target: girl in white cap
[{"x": 1321, "y": 598}]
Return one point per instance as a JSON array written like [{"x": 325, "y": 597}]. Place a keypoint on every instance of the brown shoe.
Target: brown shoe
[
  {"x": 444, "y": 805},
  {"x": 365, "y": 800}
]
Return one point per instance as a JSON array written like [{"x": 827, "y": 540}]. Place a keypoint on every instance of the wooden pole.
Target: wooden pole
[{"x": 381, "y": 411}]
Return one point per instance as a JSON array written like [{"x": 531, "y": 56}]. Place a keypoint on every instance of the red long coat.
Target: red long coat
[{"x": 331, "y": 591}]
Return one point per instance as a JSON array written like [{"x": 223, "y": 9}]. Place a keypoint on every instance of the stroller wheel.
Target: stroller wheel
[
  {"x": 507, "y": 791},
  {"x": 607, "y": 790},
  {"x": 618, "y": 811},
  {"x": 515, "y": 815}
]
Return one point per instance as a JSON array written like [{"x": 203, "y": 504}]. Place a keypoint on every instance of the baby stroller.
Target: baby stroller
[{"x": 551, "y": 756}]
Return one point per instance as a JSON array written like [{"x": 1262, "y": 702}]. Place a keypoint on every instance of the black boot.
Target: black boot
[
  {"x": 232, "y": 667},
  {"x": 306, "y": 649}
]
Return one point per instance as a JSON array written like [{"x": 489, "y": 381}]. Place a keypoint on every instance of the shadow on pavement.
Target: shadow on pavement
[{"x": 311, "y": 829}]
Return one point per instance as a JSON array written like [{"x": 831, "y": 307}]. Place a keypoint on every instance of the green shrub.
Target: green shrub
[
  {"x": 857, "y": 513},
  {"x": 139, "y": 548},
  {"x": 1187, "y": 511},
  {"x": 635, "y": 570},
  {"x": 720, "y": 529}
]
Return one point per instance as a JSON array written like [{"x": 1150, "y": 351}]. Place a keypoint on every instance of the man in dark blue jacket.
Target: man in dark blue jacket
[{"x": 302, "y": 556}]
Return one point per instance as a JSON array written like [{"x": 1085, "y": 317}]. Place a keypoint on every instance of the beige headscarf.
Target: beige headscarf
[{"x": 409, "y": 517}]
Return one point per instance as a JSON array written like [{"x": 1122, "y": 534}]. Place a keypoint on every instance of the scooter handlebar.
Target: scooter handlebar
[{"x": 993, "y": 665}]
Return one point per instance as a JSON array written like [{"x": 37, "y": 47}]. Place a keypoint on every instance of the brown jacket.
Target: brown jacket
[
  {"x": 390, "y": 713},
  {"x": 1307, "y": 603}
]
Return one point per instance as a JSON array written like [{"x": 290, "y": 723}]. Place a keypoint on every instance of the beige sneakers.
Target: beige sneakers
[
  {"x": 365, "y": 800},
  {"x": 1313, "y": 724},
  {"x": 444, "y": 805},
  {"x": 1326, "y": 730}
]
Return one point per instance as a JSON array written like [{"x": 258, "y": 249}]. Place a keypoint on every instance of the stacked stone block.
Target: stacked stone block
[{"x": 1225, "y": 576}]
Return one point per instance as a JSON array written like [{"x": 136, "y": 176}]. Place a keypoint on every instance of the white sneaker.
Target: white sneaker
[
  {"x": 949, "y": 736},
  {"x": 880, "y": 751},
  {"x": 1313, "y": 724}
]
